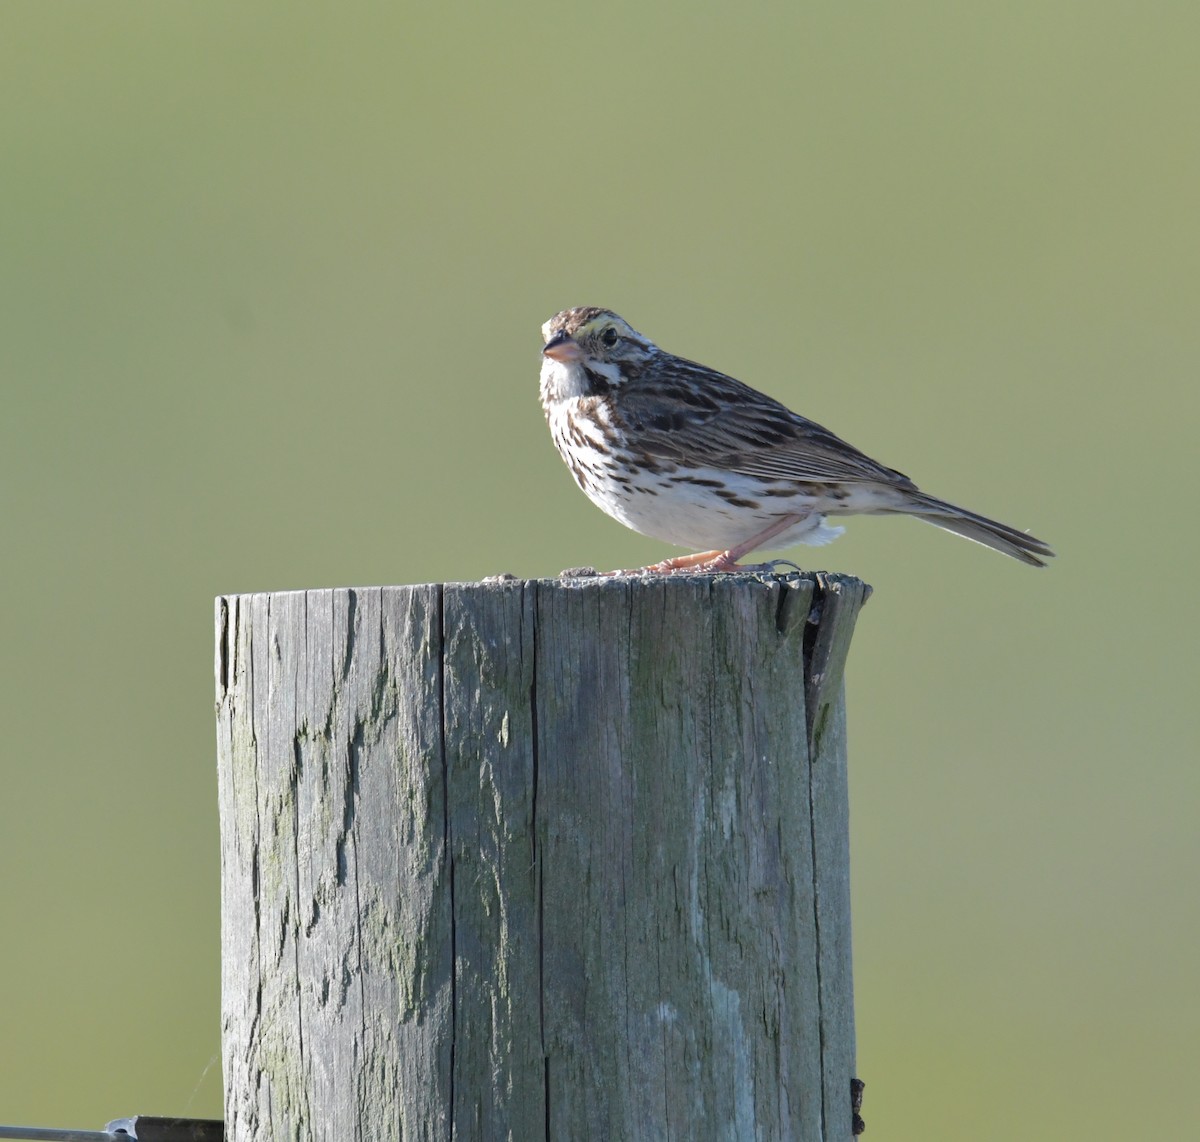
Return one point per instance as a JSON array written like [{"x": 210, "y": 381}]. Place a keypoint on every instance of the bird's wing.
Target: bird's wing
[{"x": 703, "y": 418}]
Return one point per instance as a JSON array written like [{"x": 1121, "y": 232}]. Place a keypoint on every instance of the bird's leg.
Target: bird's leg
[
  {"x": 668, "y": 566},
  {"x": 714, "y": 561},
  {"x": 681, "y": 562},
  {"x": 728, "y": 560}
]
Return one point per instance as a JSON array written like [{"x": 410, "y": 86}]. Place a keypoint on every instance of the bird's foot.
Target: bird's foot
[{"x": 700, "y": 563}]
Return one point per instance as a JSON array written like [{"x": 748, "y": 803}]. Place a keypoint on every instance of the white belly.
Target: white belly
[
  {"x": 698, "y": 518},
  {"x": 689, "y": 508}
]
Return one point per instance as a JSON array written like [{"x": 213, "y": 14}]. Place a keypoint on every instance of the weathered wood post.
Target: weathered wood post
[{"x": 537, "y": 860}]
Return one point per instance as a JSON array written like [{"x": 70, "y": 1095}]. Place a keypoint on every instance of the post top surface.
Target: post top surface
[{"x": 587, "y": 580}]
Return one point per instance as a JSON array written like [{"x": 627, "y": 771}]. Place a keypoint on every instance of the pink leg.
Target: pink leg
[
  {"x": 684, "y": 562},
  {"x": 715, "y": 561},
  {"x": 667, "y": 566},
  {"x": 728, "y": 560}
]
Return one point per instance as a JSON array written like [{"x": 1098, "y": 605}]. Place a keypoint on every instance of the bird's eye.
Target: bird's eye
[{"x": 609, "y": 337}]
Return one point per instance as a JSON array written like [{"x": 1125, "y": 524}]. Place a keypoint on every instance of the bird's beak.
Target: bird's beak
[{"x": 560, "y": 347}]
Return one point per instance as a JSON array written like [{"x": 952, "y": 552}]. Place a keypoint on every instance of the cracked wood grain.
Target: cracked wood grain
[{"x": 527, "y": 860}]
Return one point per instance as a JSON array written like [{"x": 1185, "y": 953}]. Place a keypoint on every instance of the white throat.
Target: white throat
[{"x": 568, "y": 380}]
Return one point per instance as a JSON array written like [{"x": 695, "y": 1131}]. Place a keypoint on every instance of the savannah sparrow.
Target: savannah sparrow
[{"x": 690, "y": 456}]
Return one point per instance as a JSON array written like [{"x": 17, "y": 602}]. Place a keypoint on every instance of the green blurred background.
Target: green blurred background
[{"x": 272, "y": 280}]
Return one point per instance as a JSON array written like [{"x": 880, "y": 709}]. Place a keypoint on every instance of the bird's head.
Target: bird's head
[{"x": 589, "y": 352}]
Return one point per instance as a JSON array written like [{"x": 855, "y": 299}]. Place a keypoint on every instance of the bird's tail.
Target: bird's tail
[{"x": 1019, "y": 544}]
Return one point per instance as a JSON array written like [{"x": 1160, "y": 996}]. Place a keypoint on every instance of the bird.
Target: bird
[{"x": 690, "y": 456}]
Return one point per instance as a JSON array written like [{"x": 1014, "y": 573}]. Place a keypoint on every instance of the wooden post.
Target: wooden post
[{"x": 537, "y": 860}]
